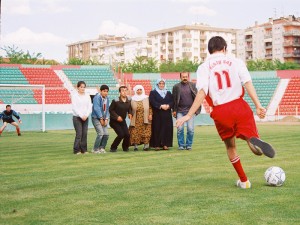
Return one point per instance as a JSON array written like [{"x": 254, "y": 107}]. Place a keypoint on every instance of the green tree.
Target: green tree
[{"x": 16, "y": 56}]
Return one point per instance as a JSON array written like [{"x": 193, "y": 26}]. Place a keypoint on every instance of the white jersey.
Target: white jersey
[{"x": 221, "y": 77}]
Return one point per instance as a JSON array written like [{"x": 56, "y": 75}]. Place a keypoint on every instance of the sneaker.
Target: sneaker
[
  {"x": 78, "y": 153},
  {"x": 189, "y": 148},
  {"x": 113, "y": 150},
  {"x": 85, "y": 153},
  {"x": 243, "y": 185},
  {"x": 102, "y": 151},
  {"x": 95, "y": 151},
  {"x": 126, "y": 150},
  {"x": 262, "y": 146},
  {"x": 181, "y": 148}
]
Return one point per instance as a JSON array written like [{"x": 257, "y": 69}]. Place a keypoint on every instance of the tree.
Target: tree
[{"x": 16, "y": 56}]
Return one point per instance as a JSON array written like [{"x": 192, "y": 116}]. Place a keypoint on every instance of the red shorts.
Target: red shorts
[{"x": 234, "y": 118}]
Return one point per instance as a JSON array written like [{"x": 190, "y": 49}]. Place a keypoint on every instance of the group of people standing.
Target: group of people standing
[{"x": 150, "y": 117}]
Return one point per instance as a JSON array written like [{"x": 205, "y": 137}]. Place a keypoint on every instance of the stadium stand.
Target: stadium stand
[
  {"x": 55, "y": 93},
  {"x": 265, "y": 88},
  {"x": 290, "y": 102},
  {"x": 13, "y": 75}
]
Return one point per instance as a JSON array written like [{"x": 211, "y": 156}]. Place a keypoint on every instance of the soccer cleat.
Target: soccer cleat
[
  {"x": 255, "y": 150},
  {"x": 243, "y": 185},
  {"x": 262, "y": 146},
  {"x": 19, "y": 134}
]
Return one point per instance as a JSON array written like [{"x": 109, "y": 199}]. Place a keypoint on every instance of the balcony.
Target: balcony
[
  {"x": 170, "y": 38},
  {"x": 186, "y": 54},
  {"x": 249, "y": 49},
  {"x": 203, "y": 37},
  {"x": 292, "y": 33},
  {"x": 269, "y": 56},
  {"x": 163, "y": 40},
  {"x": 186, "y": 36},
  {"x": 186, "y": 45},
  {"x": 170, "y": 47},
  {"x": 203, "y": 54},
  {"x": 295, "y": 54},
  {"x": 291, "y": 43},
  {"x": 268, "y": 36},
  {"x": 170, "y": 56},
  {"x": 268, "y": 46},
  {"x": 249, "y": 39}
]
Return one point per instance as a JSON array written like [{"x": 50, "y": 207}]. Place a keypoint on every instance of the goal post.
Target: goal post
[{"x": 19, "y": 94}]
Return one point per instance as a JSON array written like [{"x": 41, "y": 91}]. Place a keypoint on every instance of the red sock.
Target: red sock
[
  {"x": 236, "y": 162},
  {"x": 18, "y": 130}
]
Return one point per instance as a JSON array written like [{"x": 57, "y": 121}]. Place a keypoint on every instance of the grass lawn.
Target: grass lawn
[{"x": 42, "y": 182}]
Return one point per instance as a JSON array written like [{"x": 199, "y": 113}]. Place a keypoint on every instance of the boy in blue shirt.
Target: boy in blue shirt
[{"x": 100, "y": 116}]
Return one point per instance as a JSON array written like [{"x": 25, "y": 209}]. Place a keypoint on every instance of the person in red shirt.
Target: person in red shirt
[{"x": 219, "y": 80}]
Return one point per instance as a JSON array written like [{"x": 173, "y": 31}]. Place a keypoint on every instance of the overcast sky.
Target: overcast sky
[{"x": 47, "y": 26}]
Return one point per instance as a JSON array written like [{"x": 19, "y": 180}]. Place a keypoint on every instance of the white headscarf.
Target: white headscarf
[
  {"x": 161, "y": 92},
  {"x": 140, "y": 97}
]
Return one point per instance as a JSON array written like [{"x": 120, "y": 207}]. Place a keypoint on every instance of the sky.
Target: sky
[{"x": 47, "y": 26}]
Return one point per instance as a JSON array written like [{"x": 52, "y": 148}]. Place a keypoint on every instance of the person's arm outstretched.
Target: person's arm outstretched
[{"x": 260, "y": 111}]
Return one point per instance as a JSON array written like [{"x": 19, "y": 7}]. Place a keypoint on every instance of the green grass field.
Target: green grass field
[{"x": 42, "y": 182}]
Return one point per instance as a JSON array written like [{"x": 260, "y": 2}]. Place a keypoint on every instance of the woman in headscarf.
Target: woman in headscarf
[
  {"x": 161, "y": 101},
  {"x": 140, "y": 124}
]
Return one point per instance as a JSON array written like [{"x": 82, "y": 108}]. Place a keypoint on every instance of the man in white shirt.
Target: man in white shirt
[{"x": 219, "y": 80}]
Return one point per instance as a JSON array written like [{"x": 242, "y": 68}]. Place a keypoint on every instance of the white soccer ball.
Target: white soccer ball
[{"x": 275, "y": 176}]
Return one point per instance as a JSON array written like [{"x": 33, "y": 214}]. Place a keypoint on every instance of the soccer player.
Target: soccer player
[
  {"x": 7, "y": 117},
  {"x": 219, "y": 80}
]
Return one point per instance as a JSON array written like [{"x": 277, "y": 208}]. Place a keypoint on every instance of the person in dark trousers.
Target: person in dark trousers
[
  {"x": 118, "y": 110},
  {"x": 161, "y": 101},
  {"x": 184, "y": 94},
  {"x": 7, "y": 117},
  {"x": 82, "y": 108}
]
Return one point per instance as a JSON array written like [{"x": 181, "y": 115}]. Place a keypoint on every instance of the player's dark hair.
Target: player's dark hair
[
  {"x": 8, "y": 106},
  {"x": 216, "y": 43},
  {"x": 121, "y": 87},
  {"x": 80, "y": 83},
  {"x": 104, "y": 87}
]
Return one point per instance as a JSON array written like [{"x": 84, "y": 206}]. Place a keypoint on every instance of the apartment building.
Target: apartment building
[
  {"x": 276, "y": 39},
  {"x": 90, "y": 49},
  {"x": 188, "y": 41},
  {"x": 125, "y": 51}
]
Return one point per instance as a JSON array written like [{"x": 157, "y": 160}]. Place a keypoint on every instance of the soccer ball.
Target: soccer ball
[{"x": 275, "y": 176}]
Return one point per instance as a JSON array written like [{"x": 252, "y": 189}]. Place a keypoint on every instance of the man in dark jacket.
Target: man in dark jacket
[
  {"x": 118, "y": 110},
  {"x": 7, "y": 117},
  {"x": 184, "y": 94}
]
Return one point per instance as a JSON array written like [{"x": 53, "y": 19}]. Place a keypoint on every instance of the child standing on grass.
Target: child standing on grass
[
  {"x": 7, "y": 117},
  {"x": 100, "y": 116},
  {"x": 220, "y": 80}
]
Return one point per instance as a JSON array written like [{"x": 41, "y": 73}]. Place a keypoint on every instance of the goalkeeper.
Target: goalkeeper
[{"x": 7, "y": 117}]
